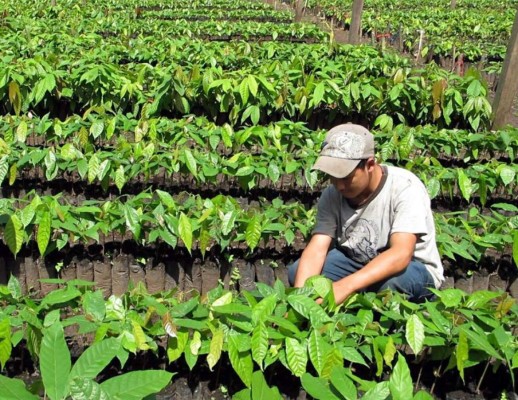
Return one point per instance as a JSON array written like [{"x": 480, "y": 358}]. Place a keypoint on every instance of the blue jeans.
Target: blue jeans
[{"x": 413, "y": 281}]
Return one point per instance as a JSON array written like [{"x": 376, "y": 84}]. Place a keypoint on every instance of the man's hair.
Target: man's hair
[{"x": 362, "y": 163}]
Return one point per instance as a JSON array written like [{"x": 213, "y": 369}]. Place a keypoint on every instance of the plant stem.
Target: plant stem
[
  {"x": 436, "y": 376},
  {"x": 483, "y": 375}
]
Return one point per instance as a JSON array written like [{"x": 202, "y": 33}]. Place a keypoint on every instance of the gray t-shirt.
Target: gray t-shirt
[{"x": 401, "y": 204}]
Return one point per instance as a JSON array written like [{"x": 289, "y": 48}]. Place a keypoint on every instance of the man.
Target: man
[{"x": 374, "y": 229}]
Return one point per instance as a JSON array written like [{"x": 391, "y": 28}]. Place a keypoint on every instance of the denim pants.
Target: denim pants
[{"x": 413, "y": 281}]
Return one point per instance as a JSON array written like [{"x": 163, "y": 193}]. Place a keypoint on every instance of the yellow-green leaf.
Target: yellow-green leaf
[
  {"x": 13, "y": 234},
  {"x": 185, "y": 230},
  {"x": 44, "y": 230},
  {"x": 216, "y": 345}
]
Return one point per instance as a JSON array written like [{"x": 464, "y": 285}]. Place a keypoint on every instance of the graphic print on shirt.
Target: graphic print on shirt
[{"x": 361, "y": 240}]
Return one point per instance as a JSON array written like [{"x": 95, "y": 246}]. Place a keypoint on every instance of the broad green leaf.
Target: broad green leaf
[
  {"x": 317, "y": 348},
  {"x": 21, "y": 132},
  {"x": 451, "y": 297},
  {"x": 55, "y": 362},
  {"x": 422, "y": 395},
  {"x": 480, "y": 342},
  {"x": 94, "y": 359},
  {"x": 253, "y": 231},
  {"x": 60, "y": 296},
  {"x": 14, "y": 287},
  {"x": 176, "y": 345},
  {"x": 260, "y": 389},
  {"x": 309, "y": 309},
  {"x": 241, "y": 360},
  {"x": 252, "y": 85},
  {"x": 353, "y": 355},
  {"x": 245, "y": 171},
  {"x": 465, "y": 184},
  {"x": 264, "y": 309},
  {"x": 136, "y": 385},
  {"x": 400, "y": 382},
  {"x": 515, "y": 247},
  {"x": 414, "y": 333},
  {"x": 244, "y": 92},
  {"x": 332, "y": 359},
  {"x": 166, "y": 199},
  {"x": 317, "y": 387},
  {"x": 216, "y": 345},
  {"x": 14, "y": 389},
  {"x": 259, "y": 343},
  {"x": 343, "y": 384},
  {"x": 185, "y": 230},
  {"x": 461, "y": 352},
  {"x": 5, "y": 342},
  {"x": 13, "y": 172},
  {"x": 44, "y": 231},
  {"x": 379, "y": 392},
  {"x": 96, "y": 129},
  {"x": 191, "y": 163},
  {"x": 507, "y": 174},
  {"x": 13, "y": 234},
  {"x": 4, "y": 168},
  {"x": 318, "y": 94},
  {"x": 93, "y": 168},
  {"x": 120, "y": 178},
  {"x": 94, "y": 305},
  {"x": 296, "y": 356},
  {"x": 87, "y": 389},
  {"x": 390, "y": 351}
]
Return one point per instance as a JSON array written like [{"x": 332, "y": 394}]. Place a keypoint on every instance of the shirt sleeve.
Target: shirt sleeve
[
  {"x": 412, "y": 210},
  {"x": 328, "y": 210}
]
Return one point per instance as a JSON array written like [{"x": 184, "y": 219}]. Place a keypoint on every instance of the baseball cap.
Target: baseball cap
[{"x": 343, "y": 148}]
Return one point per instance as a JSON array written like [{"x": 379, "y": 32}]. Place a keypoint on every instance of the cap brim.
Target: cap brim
[{"x": 336, "y": 167}]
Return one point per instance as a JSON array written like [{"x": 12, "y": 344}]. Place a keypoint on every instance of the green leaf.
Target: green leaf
[
  {"x": 14, "y": 287},
  {"x": 309, "y": 309},
  {"x": 343, "y": 384},
  {"x": 14, "y": 389},
  {"x": 317, "y": 387},
  {"x": 120, "y": 178},
  {"x": 507, "y": 174},
  {"x": 55, "y": 362},
  {"x": 241, "y": 360},
  {"x": 44, "y": 231},
  {"x": 462, "y": 352},
  {"x": 21, "y": 132},
  {"x": 245, "y": 171},
  {"x": 185, "y": 230},
  {"x": 332, "y": 359},
  {"x": 176, "y": 345},
  {"x": 515, "y": 247},
  {"x": 136, "y": 385},
  {"x": 93, "y": 168},
  {"x": 252, "y": 85},
  {"x": 96, "y": 129},
  {"x": 244, "y": 92},
  {"x": 480, "y": 342},
  {"x": 414, "y": 333},
  {"x": 259, "y": 343},
  {"x": 379, "y": 392},
  {"x": 318, "y": 94},
  {"x": 262, "y": 310},
  {"x": 190, "y": 161},
  {"x": 216, "y": 345},
  {"x": 4, "y": 168},
  {"x": 94, "y": 359},
  {"x": 260, "y": 389},
  {"x": 166, "y": 199},
  {"x": 317, "y": 348},
  {"x": 87, "y": 389},
  {"x": 253, "y": 231},
  {"x": 400, "y": 382},
  {"x": 5, "y": 342},
  {"x": 465, "y": 184},
  {"x": 296, "y": 355},
  {"x": 13, "y": 234},
  {"x": 94, "y": 305}
]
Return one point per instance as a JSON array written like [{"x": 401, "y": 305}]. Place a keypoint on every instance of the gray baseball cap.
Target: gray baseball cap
[{"x": 343, "y": 149}]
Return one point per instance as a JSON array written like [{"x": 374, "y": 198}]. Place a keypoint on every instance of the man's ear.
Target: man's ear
[{"x": 371, "y": 162}]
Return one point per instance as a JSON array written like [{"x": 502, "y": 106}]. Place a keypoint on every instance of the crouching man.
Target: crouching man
[{"x": 375, "y": 228}]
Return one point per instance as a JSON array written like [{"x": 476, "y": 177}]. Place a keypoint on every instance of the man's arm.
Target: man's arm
[
  {"x": 392, "y": 261},
  {"x": 312, "y": 259}
]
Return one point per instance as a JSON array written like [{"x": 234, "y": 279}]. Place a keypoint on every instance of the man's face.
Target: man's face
[{"x": 353, "y": 185}]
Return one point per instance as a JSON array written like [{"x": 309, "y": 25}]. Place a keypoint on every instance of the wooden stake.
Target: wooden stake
[
  {"x": 354, "y": 29},
  {"x": 508, "y": 81}
]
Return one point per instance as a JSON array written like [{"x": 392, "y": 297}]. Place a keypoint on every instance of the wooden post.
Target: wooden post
[
  {"x": 299, "y": 7},
  {"x": 507, "y": 82},
  {"x": 354, "y": 29}
]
